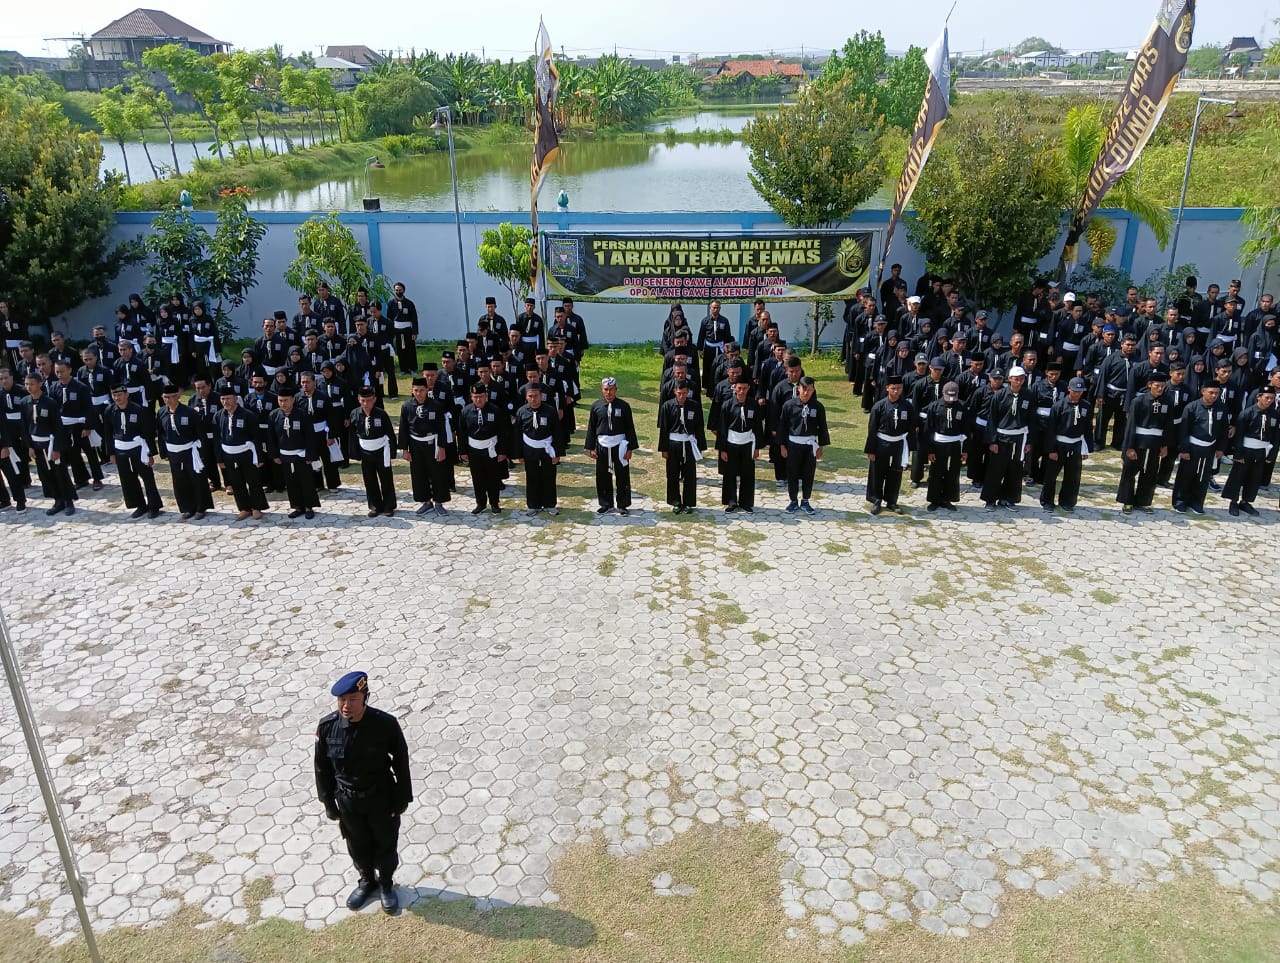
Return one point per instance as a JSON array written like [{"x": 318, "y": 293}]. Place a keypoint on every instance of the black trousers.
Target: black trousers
[
  {"x": 327, "y": 476},
  {"x": 608, "y": 468},
  {"x": 779, "y": 463},
  {"x": 1139, "y": 477},
  {"x": 976, "y": 463},
  {"x": 802, "y": 465},
  {"x": 1002, "y": 479},
  {"x": 682, "y": 476},
  {"x": 209, "y": 455},
  {"x": 430, "y": 478},
  {"x": 1191, "y": 484},
  {"x": 1068, "y": 464},
  {"x": 738, "y": 476},
  {"x": 81, "y": 452},
  {"x": 371, "y": 831},
  {"x": 406, "y": 346},
  {"x": 12, "y": 491},
  {"x": 1110, "y": 413},
  {"x": 190, "y": 489},
  {"x": 387, "y": 365},
  {"x": 245, "y": 482},
  {"x": 1245, "y": 479},
  {"x": 884, "y": 475},
  {"x": 486, "y": 477},
  {"x": 379, "y": 482},
  {"x": 137, "y": 481},
  {"x": 944, "y": 474},
  {"x": 300, "y": 483},
  {"x": 539, "y": 479},
  {"x": 55, "y": 480}
]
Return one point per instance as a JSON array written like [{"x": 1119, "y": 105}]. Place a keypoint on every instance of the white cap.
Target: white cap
[
  {"x": 1069, "y": 296},
  {"x": 1017, "y": 371},
  {"x": 914, "y": 299}
]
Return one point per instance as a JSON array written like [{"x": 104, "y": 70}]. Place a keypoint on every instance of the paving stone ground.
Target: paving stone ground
[{"x": 931, "y": 712}]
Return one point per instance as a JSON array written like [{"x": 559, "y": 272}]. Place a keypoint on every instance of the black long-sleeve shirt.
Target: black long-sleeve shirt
[{"x": 365, "y": 756}]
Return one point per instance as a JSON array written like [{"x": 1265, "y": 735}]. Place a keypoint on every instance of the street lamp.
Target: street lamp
[
  {"x": 371, "y": 203},
  {"x": 437, "y": 126},
  {"x": 1186, "y": 171}
]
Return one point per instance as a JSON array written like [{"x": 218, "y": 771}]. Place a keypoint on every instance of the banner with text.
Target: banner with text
[{"x": 812, "y": 266}]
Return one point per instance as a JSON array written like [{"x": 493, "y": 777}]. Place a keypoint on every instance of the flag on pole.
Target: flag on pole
[
  {"x": 546, "y": 143},
  {"x": 933, "y": 111},
  {"x": 1145, "y": 96}
]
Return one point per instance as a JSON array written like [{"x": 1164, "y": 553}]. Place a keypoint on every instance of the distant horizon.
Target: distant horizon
[{"x": 577, "y": 27}]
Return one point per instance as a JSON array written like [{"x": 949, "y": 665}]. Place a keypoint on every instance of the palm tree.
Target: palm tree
[{"x": 1083, "y": 135}]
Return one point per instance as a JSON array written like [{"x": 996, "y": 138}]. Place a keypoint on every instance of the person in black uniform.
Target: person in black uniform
[
  {"x": 891, "y": 433},
  {"x": 681, "y": 440},
  {"x": 1257, "y": 431},
  {"x": 426, "y": 429},
  {"x": 403, "y": 316},
  {"x": 1066, "y": 445},
  {"x": 292, "y": 443},
  {"x": 1147, "y": 433},
  {"x": 130, "y": 427},
  {"x": 484, "y": 433},
  {"x": 611, "y": 427},
  {"x": 739, "y": 440},
  {"x": 713, "y": 334},
  {"x": 1202, "y": 441},
  {"x": 362, "y": 779},
  {"x": 1008, "y": 417},
  {"x": 539, "y": 446},
  {"x": 12, "y": 490},
  {"x": 372, "y": 438},
  {"x": 81, "y": 420},
  {"x": 803, "y": 433},
  {"x": 237, "y": 433},
  {"x": 181, "y": 439},
  {"x": 942, "y": 441},
  {"x": 48, "y": 443}
]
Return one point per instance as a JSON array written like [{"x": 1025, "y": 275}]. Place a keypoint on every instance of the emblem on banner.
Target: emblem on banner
[
  {"x": 566, "y": 257},
  {"x": 851, "y": 258}
]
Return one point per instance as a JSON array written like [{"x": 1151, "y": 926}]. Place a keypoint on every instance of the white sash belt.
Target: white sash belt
[
  {"x": 1043, "y": 412},
  {"x": 682, "y": 437},
  {"x": 614, "y": 441},
  {"x": 546, "y": 444},
  {"x": 980, "y": 422},
  {"x": 382, "y": 444},
  {"x": 1150, "y": 432},
  {"x": 207, "y": 339},
  {"x": 68, "y": 420},
  {"x": 1202, "y": 442},
  {"x": 133, "y": 444},
  {"x": 488, "y": 444},
  {"x": 172, "y": 342},
  {"x": 140, "y": 390},
  {"x": 741, "y": 437},
  {"x": 941, "y": 439},
  {"x": 46, "y": 441},
  {"x": 1068, "y": 442},
  {"x": 425, "y": 439},
  {"x": 1257, "y": 444},
  {"x": 812, "y": 442},
  {"x": 404, "y": 325},
  {"x": 197, "y": 463},
  {"x": 888, "y": 440},
  {"x": 100, "y": 400},
  {"x": 244, "y": 449},
  {"x": 1068, "y": 346},
  {"x": 294, "y": 453},
  {"x": 1016, "y": 436}
]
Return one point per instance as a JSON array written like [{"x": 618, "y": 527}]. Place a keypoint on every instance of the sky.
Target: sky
[{"x": 655, "y": 28}]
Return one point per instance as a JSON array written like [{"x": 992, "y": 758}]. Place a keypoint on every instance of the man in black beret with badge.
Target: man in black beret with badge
[{"x": 362, "y": 778}]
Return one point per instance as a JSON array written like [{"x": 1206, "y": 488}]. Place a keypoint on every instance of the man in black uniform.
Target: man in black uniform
[
  {"x": 538, "y": 447},
  {"x": 426, "y": 431},
  {"x": 238, "y": 433},
  {"x": 372, "y": 438},
  {"x": 48, "y": 444},
  {"x": 713, "y": 334},
  {"x": 942, "y": 441},
  {"x": 362, "y": 779},
  {"x": 293, "y": 445},
  {"x": 738, "y": 441},
  {"x": 1008, "y": 418},
  {"x": 403, "y": 315},
  {"x": 1146, "y": 437},
  {"x": 1202, "y": 441},
  {"x": 681, "y": 440},
  {"x": 890, "y": 440},
  {"x": 611, "y": 427},
  {"x": 484, "y": 433},
  {"x": 1257, "y": 430},
  {"x": 803, "y": 432},
  {"x": 130, "y": 428},
  {"x": 1066, "y": 444},
  {"x": 81, "y": 421},
  {"x": 181, "y": 440}
]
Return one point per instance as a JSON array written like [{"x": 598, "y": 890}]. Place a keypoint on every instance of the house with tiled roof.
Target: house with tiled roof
[
  {"x": 760, "y": 68},
  {"x": 357, "y": 54},
  {"x": 140, "y": 30}
]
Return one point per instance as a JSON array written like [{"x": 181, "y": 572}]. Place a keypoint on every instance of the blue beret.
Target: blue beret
[
  {"x": 1109, "y": 327},
  {"x": 351, "y": 682}
]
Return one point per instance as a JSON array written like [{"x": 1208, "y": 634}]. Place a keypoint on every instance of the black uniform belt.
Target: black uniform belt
[{"x": 357, "y": 793}]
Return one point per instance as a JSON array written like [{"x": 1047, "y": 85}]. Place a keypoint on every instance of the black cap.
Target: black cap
[
  {"x": 1157, "y": 376},
  {"x": 894, "y": 380},
  {"x": 430, "y": 366},
  {"x": 419, "y": 382},
  {"x": 491, "y": 300},
  {"x": 286, "y": 391},
  {"x": 280, "y": 316},
  {"x": 479, "y": 388}
]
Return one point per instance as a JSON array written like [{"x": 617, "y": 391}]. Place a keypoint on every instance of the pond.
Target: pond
[{"x": 162, "y": 156}]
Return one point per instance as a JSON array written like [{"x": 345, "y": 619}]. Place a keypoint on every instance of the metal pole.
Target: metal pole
[
  {"x": 1186, "y": 173},
  {"x": 457, "y": 219},
  {"x": 27, "y": 720}
]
